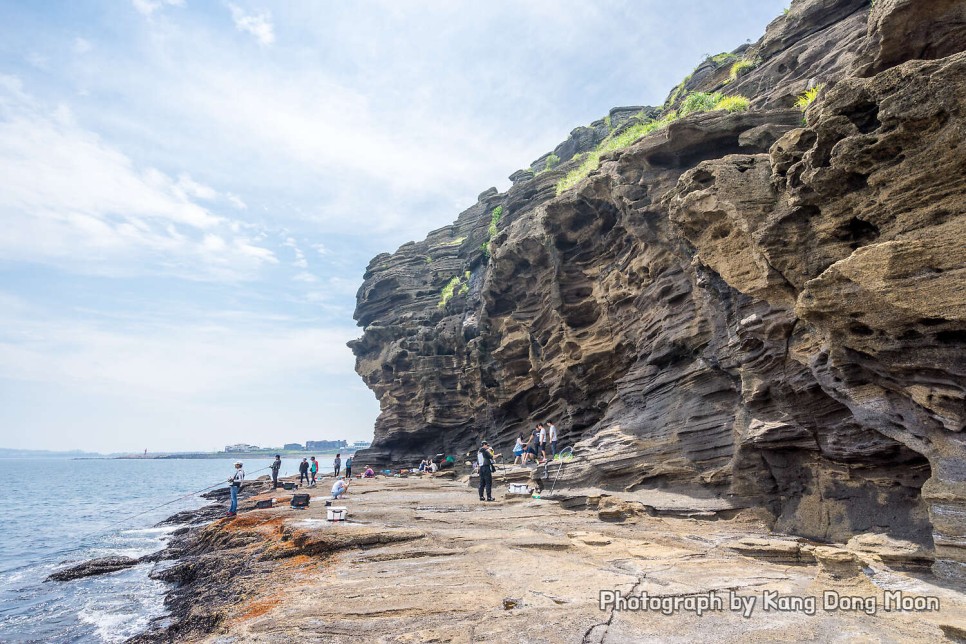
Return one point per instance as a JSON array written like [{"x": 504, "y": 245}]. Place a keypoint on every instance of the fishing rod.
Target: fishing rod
[
  {"x": 566, "y": 450},
  {"x": 180, "y": 498}
]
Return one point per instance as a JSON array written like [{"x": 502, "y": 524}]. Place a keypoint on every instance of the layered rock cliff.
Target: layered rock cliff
[{"x": 748, "y": 304}]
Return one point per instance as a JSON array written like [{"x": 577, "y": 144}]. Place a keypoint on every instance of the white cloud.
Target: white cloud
[
  {"x": 82, "y": 46},
  {"x": 300, "y": 261},
  {"x": 148, "y": 7},
  {"x": 193, "y": 358},
  {"x": 37, "y": 60},
  {"x": 192, "y": 188},
  {"x": 236, "y": 201},
  {"x": 258, "y": 25},
  {"x": 70, "y": 198}
]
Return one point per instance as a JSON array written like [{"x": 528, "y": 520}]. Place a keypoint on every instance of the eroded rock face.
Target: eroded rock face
[
  {"x": 738, "y": 305},
  {"x": 902, "y": 30}
]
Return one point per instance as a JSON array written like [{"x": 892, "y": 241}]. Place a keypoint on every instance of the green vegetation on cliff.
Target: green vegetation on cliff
[
  {"x": 808, "y": 97},
  {"x": 458, "y": 285},
  {"x": 696, "y": 102},
  {"x": 492, "y": 229},
  {"x": 741, "y": 68}
]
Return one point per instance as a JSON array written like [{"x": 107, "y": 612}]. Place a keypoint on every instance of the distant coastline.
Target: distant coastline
[
  {"x": 235, "y": 455},
  {"x": 6, "y": 452},
  {"x": 82, "y": 455}
]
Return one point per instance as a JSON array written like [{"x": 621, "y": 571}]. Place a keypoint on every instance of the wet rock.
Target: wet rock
[
  {"x": 191, "y": 517},
  {"x": 93, "y": 567}
]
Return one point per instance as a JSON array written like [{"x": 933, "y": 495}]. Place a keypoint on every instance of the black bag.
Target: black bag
[
  {"x": 288, "y": 485},
  {"x": 300, "y": 501}
]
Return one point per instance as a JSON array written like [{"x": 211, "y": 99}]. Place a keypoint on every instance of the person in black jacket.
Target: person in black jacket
[
  {"x": 485, "y": 460},
  {"x": 304, "y": 471}
]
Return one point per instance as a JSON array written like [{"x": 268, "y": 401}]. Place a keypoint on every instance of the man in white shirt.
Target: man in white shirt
[
  {"x": 553, "y": 438},
  {"x": 236, "y": 483},
  {"x": 339, "y": 489},
  {"x": 543, "y": 442}
]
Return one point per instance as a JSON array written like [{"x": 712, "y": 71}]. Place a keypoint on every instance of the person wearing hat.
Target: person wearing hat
[
  {"x": 485, "y": 460},
  {"x": 276, "y": 465},
  {"x": 236, "y": 483}
]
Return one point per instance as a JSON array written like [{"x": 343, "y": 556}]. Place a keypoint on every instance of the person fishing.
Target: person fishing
[
  {"x": 485, "y": 458},
  {"x": 236, "y": 483},
  {"x": 276, "y": 465}
]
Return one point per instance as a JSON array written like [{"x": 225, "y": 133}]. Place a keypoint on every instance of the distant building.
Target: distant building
[
  {"x": 324, "y": 446},
  {"x": 293, "y": 446},
  {"x": 242, "y": 447},
  {"x": 361, "y": 445}
]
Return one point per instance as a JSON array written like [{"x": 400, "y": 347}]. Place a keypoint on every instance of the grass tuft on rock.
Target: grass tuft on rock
[
  {"x": 733, "y": 104},
  {"x": 741, "y": 68},
  {"x": 591, "y": 161},
  {"x": 808, "y": 97}
]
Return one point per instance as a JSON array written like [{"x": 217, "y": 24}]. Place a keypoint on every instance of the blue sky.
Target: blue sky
[{"x": 190, "y": 191}]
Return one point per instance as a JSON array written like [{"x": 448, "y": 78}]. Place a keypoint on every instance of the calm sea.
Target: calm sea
[{"x": 60, "y": 510}]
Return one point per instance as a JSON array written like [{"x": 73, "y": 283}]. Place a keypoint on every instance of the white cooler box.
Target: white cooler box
[
  {"x": 336, "y": 513},
  {"x": 518, "y": 488}
]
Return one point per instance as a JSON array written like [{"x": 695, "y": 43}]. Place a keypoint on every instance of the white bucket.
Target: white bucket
[
  {"x": 518, "y": 488},
  {"x": 336, "y": 513}
]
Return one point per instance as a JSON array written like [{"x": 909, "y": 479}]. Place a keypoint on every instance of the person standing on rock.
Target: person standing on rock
[
  {"x": 348, "y": 467},
  {"x": 313, "y": 469},
  {"x": 542, "y": 436},
  {"x": 485, "y": 459},
  {"x": 304, "y": 471},
  {"x": 337, "y": 464},
  {"x": 236, "y": 483},
  {"x": 276, "y": 465},
  {"x": 518, "y": 450},
  {"x": 552, "y": 431}
]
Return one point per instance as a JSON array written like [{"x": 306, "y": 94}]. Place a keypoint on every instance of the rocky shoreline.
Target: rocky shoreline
[
  {"x": 420, "y": 559},
  {"x": 751, "y": 326}
]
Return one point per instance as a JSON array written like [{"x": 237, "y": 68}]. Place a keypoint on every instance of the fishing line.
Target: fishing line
[{"x": 180, "y": 498}]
